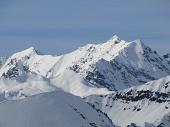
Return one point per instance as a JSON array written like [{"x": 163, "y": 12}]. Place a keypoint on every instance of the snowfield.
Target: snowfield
[{"x": 54, "y": 109}]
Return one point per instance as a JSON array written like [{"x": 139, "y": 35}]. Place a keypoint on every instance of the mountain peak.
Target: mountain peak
[
  {"x": 31, "y": 49},
  {"x": 139, "y": 42},
  {"x": 27, "y": 52},
  {"x": 114, "y": 39}
]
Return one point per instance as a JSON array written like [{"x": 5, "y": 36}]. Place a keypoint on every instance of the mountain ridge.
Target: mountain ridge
[{"x": 113, "y": 65}]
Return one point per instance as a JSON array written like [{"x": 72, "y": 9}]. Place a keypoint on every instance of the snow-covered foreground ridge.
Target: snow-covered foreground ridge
[
  {"x": 92, "y": 69},
  {"x": 147, "y": 105},
  {"x": 54, "y": 109}
]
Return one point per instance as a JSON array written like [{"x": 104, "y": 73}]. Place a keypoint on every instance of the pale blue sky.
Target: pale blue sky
[{"x": 60, "y": 26}]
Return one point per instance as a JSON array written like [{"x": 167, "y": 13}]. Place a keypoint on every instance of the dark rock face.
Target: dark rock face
[
  {"x": 167, "y": 57},
  {"x": 96, "y": 78},
  {"x": 17, "y": 69},
  {"x": 140, "y": 95},
  {"x": 75, "y": 68},
  {"x": 15, "y": 72},
  {"x": 132, "y": 125}
]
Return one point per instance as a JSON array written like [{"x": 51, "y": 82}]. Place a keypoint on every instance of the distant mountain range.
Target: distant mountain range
[{"x": 127, "y": 81}]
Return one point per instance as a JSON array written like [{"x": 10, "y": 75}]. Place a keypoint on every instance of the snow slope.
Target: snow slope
[
  {"x": 54, "y": 109},
  {"x": 144, "y": 105}
]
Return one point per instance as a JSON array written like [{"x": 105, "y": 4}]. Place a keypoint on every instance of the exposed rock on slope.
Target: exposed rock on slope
[{"x": 142, "y": 105}]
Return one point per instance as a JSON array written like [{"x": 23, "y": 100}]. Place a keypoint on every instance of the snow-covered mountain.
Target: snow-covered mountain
[
  {"x": 115, "y": 65},
  {"x": 147, "y": 105},
  {"x": 21, "y": 65},
  {"x": 109, "y": 76},
  {"x": 54, "y": 109}
]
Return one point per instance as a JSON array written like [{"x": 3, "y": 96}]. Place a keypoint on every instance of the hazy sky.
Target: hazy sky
[{"x": 60, "y": 26}]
